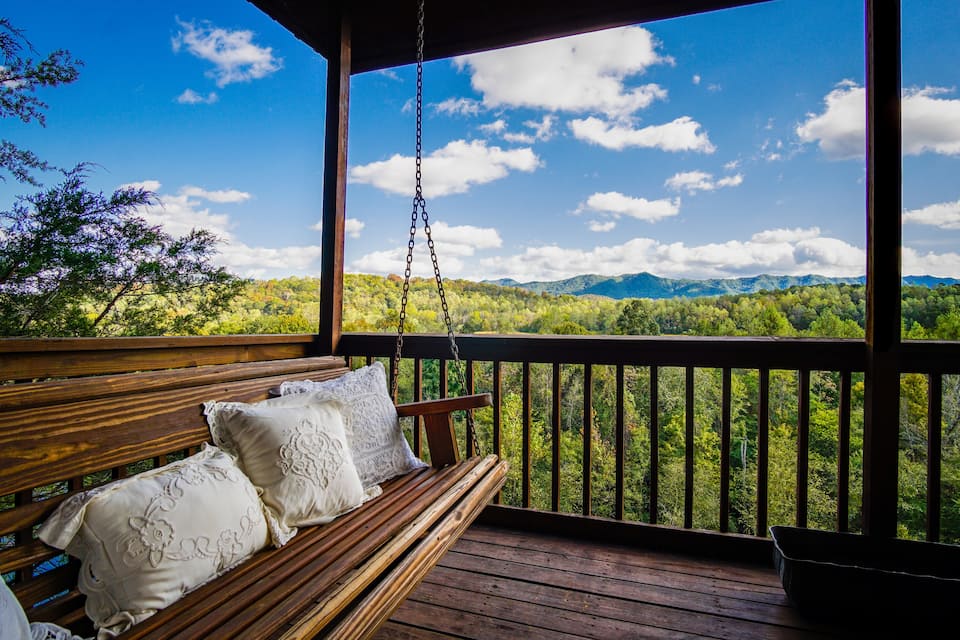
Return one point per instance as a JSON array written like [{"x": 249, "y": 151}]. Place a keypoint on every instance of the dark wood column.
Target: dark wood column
[
  {"x": 882, "y": 375},
  {"x": 334, "y": 192}
]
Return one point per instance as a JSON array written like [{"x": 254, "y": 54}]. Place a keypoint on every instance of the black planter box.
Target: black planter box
[{"x": 828, "y": 575}]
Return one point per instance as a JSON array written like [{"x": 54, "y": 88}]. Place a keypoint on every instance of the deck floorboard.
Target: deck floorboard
[{"x": 498, "y": 583}]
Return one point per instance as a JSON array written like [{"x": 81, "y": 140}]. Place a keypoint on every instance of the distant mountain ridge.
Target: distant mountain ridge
[{"x": 647, "y": 285}]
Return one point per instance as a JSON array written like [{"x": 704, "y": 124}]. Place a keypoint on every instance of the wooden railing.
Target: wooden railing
[
  {"x": 843, "y": 360},
  {"x": 604, "y": 365}
]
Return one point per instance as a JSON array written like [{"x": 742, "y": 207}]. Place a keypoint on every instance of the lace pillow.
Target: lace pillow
[
  {"x": 13, "y": 622},
  {"x": 147, "y": 540},
  {"x": 297, "y": 455},
  {"x": 380, "y": 450}
]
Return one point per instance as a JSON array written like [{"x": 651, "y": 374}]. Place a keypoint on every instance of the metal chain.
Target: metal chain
[{"x": 420, "y": 209}]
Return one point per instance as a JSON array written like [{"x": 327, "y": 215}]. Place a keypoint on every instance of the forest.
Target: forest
[{"x": 831, "y": 310}]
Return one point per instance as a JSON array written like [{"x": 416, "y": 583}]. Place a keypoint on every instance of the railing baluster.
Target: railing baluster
[
  {"x": 725, "y": 408},
  {"x": 444, "y": 385},
  {"x": 368, "y": 360},
  {"x": 843, "y": 455},
  {"x": 763, "y": 450},
  {"x": 934, "y": 435},
  {"x": 497, "y": 401},
  {"x": 619, "y": 445},
  {"x": 803, "y": 445},
  {"x": 555, "y": 477},
  {"x": 417, "y": 396},
  {"x": 587, "y": 437},
  {"x": 525, "y": 464},
  {"x": 468, "y": 378},
  {"x": 654, "y": 445},
  {"x": 688, "y": 452}
]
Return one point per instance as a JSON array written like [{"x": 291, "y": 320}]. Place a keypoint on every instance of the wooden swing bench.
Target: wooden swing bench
[{"x": 340, "y": 580}]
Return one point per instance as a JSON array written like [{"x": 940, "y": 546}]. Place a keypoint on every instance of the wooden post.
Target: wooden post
[
  {"x": 334, "y": 193},
  {"x": 882, "y": 378}
]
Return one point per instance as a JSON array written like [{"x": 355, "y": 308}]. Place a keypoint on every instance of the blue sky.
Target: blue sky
[{"x": 718, "y": 145}]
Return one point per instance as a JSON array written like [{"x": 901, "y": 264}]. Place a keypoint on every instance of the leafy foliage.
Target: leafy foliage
[
  {"x": 78, "y": 263},
  {"x": 20, "y": 78}
]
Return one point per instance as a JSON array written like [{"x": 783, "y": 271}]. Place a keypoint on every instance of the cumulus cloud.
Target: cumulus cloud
[
  {"x": 780, "y": 251},
  {"x": 930, "y": 123},
  {"x": 453, "y": 243},
  {"x": 494, "y": 128},
  {"x": 586, "y": 72},
  {"x": 223, "y": 195},
  {"x": 601, "y": 227},
  {"x": 352, "y": 227},
  {"x": 189, "y": 96},
  {"x": 540, "y": 131},
  {"x": 451, "y": 169},
  {"x": 682, "y": 134},
  {"x": 234, "y": 56},
  {"x": 147, "y": 185},
  {"x": 617, "y": 204},
  {"x": 696, "y": 78},
  {"x": 941, "y": 265},
  {"x": 184, "y": 211},
  {"x": 945, "y": 215},
  {"x": 694, "y": 181},
  {"x": 458, "y": 106}
]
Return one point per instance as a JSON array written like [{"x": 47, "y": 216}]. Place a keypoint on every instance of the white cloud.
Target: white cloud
[
  {"x": 389, "y": 73},
  {"x": 221, "y": 196},
  {"x": 617, "y": 204},
  {"x": 693, "y": 181},
  {"x": 929, "y": 123},
  {"x": 581, "y": 73},
  {"x": 452, "y": 243},
  {"x": 147, "y": 185},
  {"x": 945, "y": 215},
  {"x": 600, "y": 227},
  {"x": 352, "y": 227},
  {"x": 730, "y": 166},
  {"x": 458, "y": 106},
  {"x": 179, "y": 214},
  {"x": 679, "y": 135},
  {"x": 234, "y": 55},
  {"x": 942, "y": 265},
  {"x": 802, "y": 252},
  {"x": 494, "y": 128},
  {"x": 451, "y": 169},
  {"x": 785, "y": 235},
  {"x": 407, "y": 106},
  {"x": 519, "y": 138},
  {"x": 189, "y": 96},
  {"x": 696, "y": 78}
]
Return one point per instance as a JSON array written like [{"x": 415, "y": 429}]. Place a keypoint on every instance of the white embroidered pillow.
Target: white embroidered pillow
[
  {"x": 297, "y": 455},
  {"x": 145, "y": 541},
  {"x": 380, "y": 450}
]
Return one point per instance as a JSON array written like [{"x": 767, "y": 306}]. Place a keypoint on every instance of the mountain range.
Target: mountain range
[{"x": 647, "y": 285}]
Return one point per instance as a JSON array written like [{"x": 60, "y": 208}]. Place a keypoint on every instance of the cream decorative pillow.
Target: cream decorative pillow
[
  {"x": 380, "y": 450},
  {"x": 298, "y": 456},
  {"x": 13, "y": 621},
  {"x": 147, "y": 540}
]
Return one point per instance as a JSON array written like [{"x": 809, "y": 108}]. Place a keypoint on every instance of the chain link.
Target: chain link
[{"x": 420, "y": 210}]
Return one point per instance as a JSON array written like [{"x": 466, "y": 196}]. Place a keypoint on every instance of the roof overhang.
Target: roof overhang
[{"x": 383, "y": 32}]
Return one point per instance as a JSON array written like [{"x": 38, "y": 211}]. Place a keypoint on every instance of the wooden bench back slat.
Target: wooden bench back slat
[
  {"x": 32, "y": 358},
  {"x": 23, "y": 396},
  {"x": 45, "y": 444}
]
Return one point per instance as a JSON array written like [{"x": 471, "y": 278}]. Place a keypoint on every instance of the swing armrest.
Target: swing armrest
[
  {"x": 438, "y": 423},
  {"x": 446, "y": 405}
]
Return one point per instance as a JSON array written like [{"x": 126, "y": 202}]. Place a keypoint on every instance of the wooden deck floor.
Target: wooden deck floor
[{"x": 496, "y": 583}]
